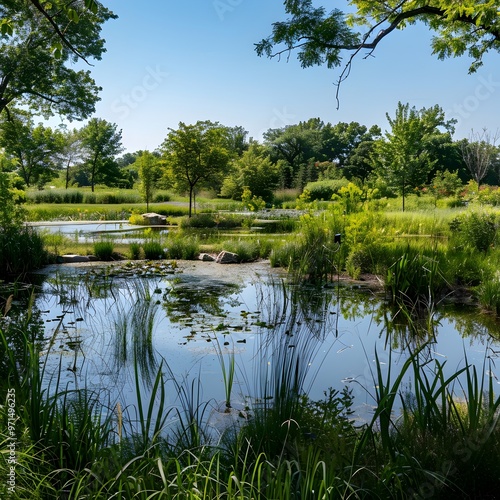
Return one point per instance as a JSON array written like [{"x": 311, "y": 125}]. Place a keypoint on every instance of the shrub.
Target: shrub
[
  {"x": 135, "y": 251},
  {"x": 137, "y": 219},
  {"x": 474, "y": 229},
  {"x": 153, "y": 250},
  {"x": 103, "y": 250},
  {"x": 161, "y": 196},
  {"x": 324, "y": 190},
  {"x": 185, "y": 248}
]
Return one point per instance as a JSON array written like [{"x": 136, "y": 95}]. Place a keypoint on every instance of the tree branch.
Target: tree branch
[{"x": 58, "y": 32}]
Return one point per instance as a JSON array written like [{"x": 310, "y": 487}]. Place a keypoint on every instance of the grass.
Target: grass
[{"x": 438, "y": 434}]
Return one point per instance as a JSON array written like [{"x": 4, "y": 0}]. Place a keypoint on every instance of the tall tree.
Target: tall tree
[
  {"x": 35, "y": 149},
  {"x": 479, "y": 153},
  {"x": 37, "y": 67},
  {"x": 102, "y": 143},
  {"x": 298, "y": 145},
  {"x": 403, "y": 159},
  {"x": 71, "y": 153},
  {"x": 194, "y": 154},
  {"x": 255, "y": 171},
  {"x": 460, "y": 27},
  {"x": 147, "y": 166}
]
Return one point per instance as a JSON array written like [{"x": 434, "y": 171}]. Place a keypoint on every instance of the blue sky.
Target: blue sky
[{"x": 169, "y": 61}]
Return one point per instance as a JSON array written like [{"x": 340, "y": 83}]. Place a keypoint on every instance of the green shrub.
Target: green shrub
[
  {"x": 161, "y": 197},
  {"x": 475, "y": 229},
  {"x": 135, "y": 251},
  {"x": 103, "y": 250},
  {"x": 183, "y": 247},
  {"x": 153, "y": 250},
  {"x": 324, "y": 190}
]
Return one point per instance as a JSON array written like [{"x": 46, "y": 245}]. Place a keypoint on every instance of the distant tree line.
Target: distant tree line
[{"x": 417, "y": 146}]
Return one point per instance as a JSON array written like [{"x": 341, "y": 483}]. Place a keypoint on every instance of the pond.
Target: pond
[
  {"x": 110, "y": 329},
  {"x": 82, "y": 232}
]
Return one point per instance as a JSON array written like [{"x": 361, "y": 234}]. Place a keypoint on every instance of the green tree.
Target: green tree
[
  {"x": 147, "y": 167},
  {"x": 35, "y": 149},
  {"x": 37, "y": 66},
  {"x": 71, "y": 153},
  {"x": 319, "y": 37},
  {"x": 298, "y": 145},
  {"x": 194, "y": 154},
  {"x": 255, "y": 171},
  {"x": 101, "y": 142},
  {"x": 341, "y": 140},
  {"x": 403, "y": 159}
]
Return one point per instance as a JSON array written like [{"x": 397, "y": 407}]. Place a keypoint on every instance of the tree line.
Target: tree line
[
  {"x": 417, "y": 146},
  {"x": 47, "y": 38}
]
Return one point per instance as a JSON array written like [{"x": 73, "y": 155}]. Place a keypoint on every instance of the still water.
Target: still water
[{"x": 107, "y": 327}]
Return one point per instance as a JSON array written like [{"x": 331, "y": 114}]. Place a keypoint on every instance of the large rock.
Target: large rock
[
  {"x": 206, "y": 257},
  {"x": 153, "y": 219},
  {"x": 227, "y": 258}
]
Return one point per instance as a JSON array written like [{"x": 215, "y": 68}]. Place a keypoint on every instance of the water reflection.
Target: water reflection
[{"x": 115, "y": 325}]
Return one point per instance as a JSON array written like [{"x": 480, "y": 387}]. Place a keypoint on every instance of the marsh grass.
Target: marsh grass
[{"x": 103, "y": 249}]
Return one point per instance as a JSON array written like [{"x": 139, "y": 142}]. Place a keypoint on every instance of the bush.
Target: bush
[
  {"x": 153, "y": 250},
  {"x": 184, "y": 248},
  {"x": 324, "y": 190},
  {"x": 474, "y": 229},
  {"x": 135, "y": 251},
  {"x": 103, "y": 250}
]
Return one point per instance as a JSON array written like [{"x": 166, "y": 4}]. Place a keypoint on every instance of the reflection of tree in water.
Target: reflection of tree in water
[
  {"x": 472, "y": 325},
  {"x": 189, "y": 300}
]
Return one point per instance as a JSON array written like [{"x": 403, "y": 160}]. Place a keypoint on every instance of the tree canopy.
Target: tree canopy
[
  {"x": 321, "y": 37},
  {"x": 195, "y": 153},
  {"x": 40, "y": 42}
]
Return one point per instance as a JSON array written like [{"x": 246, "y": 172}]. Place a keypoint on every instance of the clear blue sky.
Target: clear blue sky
[{"x": 169, "y": 61}]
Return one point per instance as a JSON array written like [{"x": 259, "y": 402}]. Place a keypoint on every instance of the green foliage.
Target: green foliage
[
  {"x": 135, "y": 251},
  {"x": 103, "y": 250},
  {"x": 56, "y": 196},
  {"x": 195, "y": 154},
  {"x": 55, "y": 42},
  {"x": 323, "y": 36},
  {"x": 414, "y": 277},
  {"x": 183, "y": 247},
  {"x": 324, "y": 190},
  {"x": 475, "y": 229},
  {"x": 446, "y": 184},
  {"x": 153, "y": 250},
  {"x": 404, "y": 159},
  {"x": 101, "y": 141},
  {"x": 252, "y": 203}
]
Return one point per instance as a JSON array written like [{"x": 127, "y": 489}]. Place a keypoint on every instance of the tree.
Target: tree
[
  {"x": 479, "y": 153},
  {"x": 255, "y": 171},
  {"x": 298, "y": 145},
  {"x": 35, "y": 149},
  {"x": 147, "y": 166},
  {"x": 403, "y": 158},
  {"x": 194, "y": 154},
  {"x": 460, "y": 27},
  {"x": 30, "y": 47},
  {"x": 101, "y": 142},
  {"x": 71, "y": 152}
]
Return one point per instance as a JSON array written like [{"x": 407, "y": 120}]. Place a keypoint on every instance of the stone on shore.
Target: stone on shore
[
  {"x": 154, "y": 219},
  {"x": 227, "y": 258}
]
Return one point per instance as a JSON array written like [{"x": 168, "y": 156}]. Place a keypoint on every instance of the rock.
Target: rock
[
  {"x": 206, "y": 257},
  {"x": 73, "y": 258},
  {"x": 153, "y": 219},
  {"x": 227, "y": 258}
]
